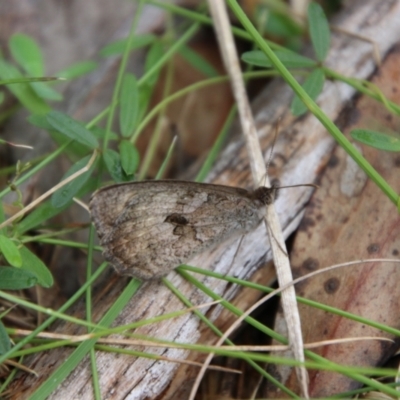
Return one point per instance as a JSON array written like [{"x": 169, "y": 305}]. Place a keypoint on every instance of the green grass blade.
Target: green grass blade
[{"x": 76, "y": 357}]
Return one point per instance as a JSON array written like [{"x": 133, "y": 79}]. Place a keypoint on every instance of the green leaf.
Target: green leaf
[
  {"x": 44, "y": 91},
  {"x": 377, "y": 140},
  {"x": 129, "y": 157},
  {"x": 282, "y": 25},
  {"x": 145, "y": 93},
  {"x": 319, "y": 30},
  {"x": 198, "y": 62},
  {"x": 2, "y": 217},
  {"x": 288, "y": 58},
  {"x": 155, "y": 53},
  {"x": 65, "y": 194},
  {"x": 129, "y": 105},
  {"x": 10, "y": 251},
  {"x": 5, "y": 342},
  {"x": 27, "y": 53},
  {"x": 40, "y": 121},
  {"x": 112, "y": 161},
  {"x": 118, "y": 46},
  {"x": 22, "y": 91},
  {"x": 77, "y": 70},
  {"x": 42, "y": 213},
  {"x": 100, "y": 133},
  {"x": 313, "y": 86},
  {"x": 72, "y": 129},
  {"x": 146, "y": 90},
  {"x": 33, "y": 264},
  {"x": 15, "y": 278}
]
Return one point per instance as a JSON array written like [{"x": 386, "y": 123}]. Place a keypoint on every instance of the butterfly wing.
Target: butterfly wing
[
  {"x": 107, "y": 204},
  {"x": 148, "y": 228}
]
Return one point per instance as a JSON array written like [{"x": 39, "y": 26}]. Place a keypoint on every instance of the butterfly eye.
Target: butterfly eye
[{"x": 264, "y": 195}]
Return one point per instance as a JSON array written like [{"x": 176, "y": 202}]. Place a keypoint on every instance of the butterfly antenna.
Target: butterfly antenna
[{"x": 300, "y": 185}]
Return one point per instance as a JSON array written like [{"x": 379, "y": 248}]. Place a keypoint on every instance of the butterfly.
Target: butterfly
[{"x": 148, "y": 228}]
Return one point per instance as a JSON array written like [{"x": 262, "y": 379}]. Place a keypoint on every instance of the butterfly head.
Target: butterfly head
[{"x": 267, "y": 195}]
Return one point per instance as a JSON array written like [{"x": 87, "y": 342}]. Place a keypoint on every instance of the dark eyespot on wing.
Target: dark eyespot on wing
[{"x": 176, "y": 219}]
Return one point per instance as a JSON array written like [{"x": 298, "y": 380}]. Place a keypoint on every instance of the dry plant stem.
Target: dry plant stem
[
  {"x": 284, "y": 274},
  {"x": 81, "y": 203},
  {"x": 122, "y": 342},
  {"x": 20, "y": 366},
  {"x": 231, "y": 61},
  {"x": 50, "y": 192},
  {"x": 306, "y": 345},
  {"x": 148, "y": 343},
  {"x": 21, "y": 146}
]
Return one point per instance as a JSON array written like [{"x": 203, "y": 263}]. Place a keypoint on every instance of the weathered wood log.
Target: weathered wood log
[{"x": 300, "y": 154}]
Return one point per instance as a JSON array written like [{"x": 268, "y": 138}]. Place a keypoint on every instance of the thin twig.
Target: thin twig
[{"x": 50, "y": 192}]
